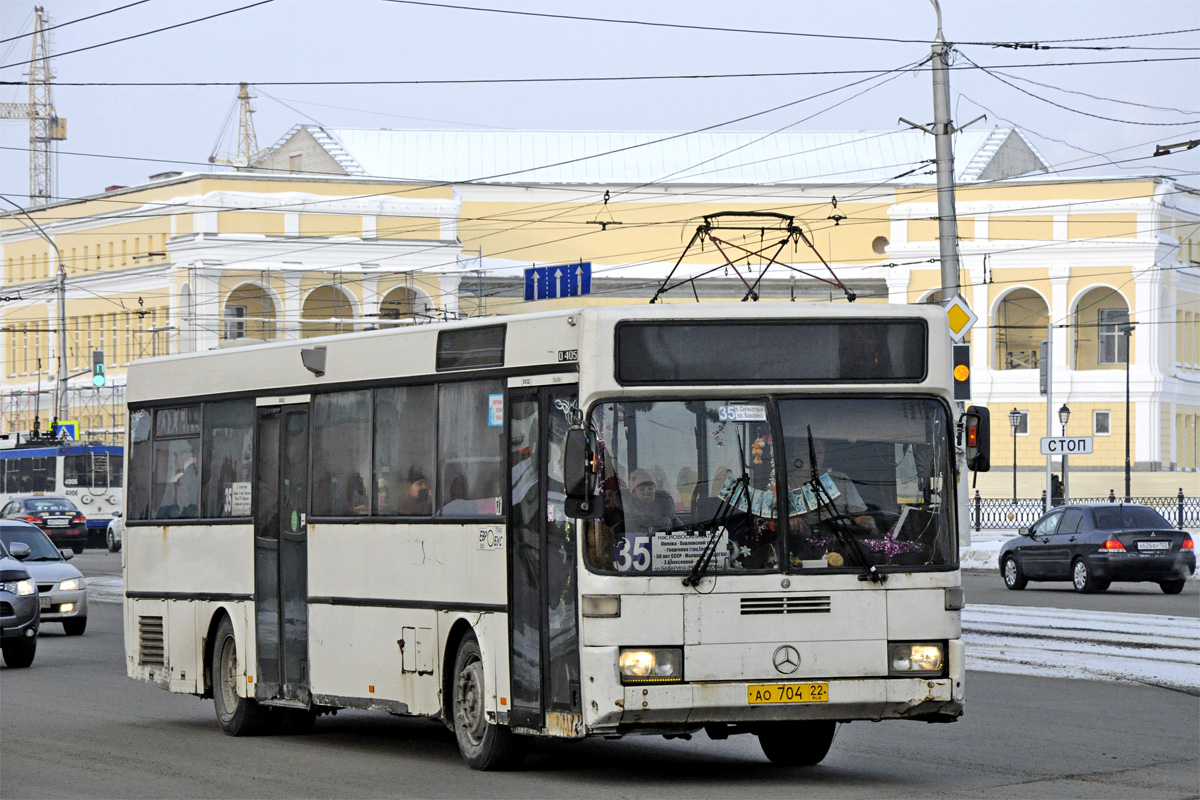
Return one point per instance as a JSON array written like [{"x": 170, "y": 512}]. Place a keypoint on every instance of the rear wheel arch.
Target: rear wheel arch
[
  {"x": 459, "y": 631},
  {"x": 210, "y": 638}
]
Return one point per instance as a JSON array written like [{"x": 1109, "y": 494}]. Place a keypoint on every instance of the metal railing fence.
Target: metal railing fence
[{"x": 994, "y": 513}]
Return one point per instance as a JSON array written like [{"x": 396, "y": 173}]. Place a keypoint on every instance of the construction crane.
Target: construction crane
[
  {"x": 45, "y": 126},
  {"x": 247, "y": 141}
]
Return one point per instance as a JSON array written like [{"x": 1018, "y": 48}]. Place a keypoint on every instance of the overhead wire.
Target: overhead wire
[
  {"x": 140, "y": 35},
  {"x": 49, "y": 28}
]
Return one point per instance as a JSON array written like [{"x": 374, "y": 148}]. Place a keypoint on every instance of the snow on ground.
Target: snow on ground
[
  {"x": 106, "y": 590},
  {"x": 1071, "y": 643}
]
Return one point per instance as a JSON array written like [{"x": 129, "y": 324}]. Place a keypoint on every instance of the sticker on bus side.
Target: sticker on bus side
[
  {"x": 491, "y": 538},
  {"x": 495, "y": 410}
]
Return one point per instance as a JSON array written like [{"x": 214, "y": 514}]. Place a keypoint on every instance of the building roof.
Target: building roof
[{"x": 629, "y": 157}]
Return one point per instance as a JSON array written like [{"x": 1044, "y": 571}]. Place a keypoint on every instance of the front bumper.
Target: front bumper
[
  {"x": 24, "y": 618},
  {"x": 52, "y": 602},
  {"x": 615, "y": 709},
  {"x": 1142, "y": 566}
]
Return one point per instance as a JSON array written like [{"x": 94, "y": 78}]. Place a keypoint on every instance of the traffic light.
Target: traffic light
[
  {"x": 962, "y": 372},
  {"x": 99, "y": 374}
]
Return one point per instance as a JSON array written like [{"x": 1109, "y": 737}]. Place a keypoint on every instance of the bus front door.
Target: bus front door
[
  {"x": 542, "y": 542},
  {"x": 281, "y": 554}
]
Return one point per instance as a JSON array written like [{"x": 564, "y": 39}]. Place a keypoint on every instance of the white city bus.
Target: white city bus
[{"x": 596, "y": 522}]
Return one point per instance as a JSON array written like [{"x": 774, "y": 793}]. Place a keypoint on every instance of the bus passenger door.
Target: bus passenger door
[
  {"x": 542, "y": 550},
  {"x": 281, "y": 553}
]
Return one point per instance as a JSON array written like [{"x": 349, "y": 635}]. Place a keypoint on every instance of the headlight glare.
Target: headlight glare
[
  {"x": 71, "y": 584},
  {"x": 21, "y": 588},
  {"x": 907, "y": 658},
  {"x": 651, "y": 665}
]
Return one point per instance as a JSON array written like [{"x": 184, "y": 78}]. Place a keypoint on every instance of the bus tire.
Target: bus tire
[
  {"x": 237, "y": 716},
  {"x": 484, "y": 745},
  {"x": 797, "y": 744}
]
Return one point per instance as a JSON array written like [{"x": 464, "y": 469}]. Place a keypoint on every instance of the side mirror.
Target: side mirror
[
  {"x": 19, "y": 550},
  {"x": 977, "y": 431},
  {"x": 116, "y": 514},
  {"x": 579, "y": 477},
  {"x": 67, "y": 553},
  {"x": 1024, "y": 531}
]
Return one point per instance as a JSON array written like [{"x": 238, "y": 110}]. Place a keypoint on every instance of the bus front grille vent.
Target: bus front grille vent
[
  {"x": 786, "y": 604},
  {"x": 150, "y": 641}
]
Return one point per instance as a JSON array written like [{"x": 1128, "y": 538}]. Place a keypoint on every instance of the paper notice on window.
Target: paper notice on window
[
  {"x": 239, "y": 495},
  {"x": 677, "y": 552}
]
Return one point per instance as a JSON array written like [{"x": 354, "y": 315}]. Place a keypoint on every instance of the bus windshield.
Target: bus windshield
[{"x": 855, "y": 482}]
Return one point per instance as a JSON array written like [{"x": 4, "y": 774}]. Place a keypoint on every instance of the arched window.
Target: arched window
[
  {"x": 325, "y": 312},
  {"x": 249, "y": 313},
  {"x": 1097, "y": 325},
  {"x": 400, "y": 303},
  {"x": 1019, "y": 327}
]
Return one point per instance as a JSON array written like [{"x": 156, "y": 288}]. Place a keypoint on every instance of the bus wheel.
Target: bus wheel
[
  {"x": 484, "y": 745},
  {"x": 237, "y": 716},
  {"x": 797, "y": 744}
]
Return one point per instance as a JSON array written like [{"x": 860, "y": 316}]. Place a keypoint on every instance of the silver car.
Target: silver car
[{"x": 62, "y": 589}]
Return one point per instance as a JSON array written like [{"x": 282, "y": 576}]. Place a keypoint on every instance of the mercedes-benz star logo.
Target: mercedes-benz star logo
[{"x": 786, "y": 659}]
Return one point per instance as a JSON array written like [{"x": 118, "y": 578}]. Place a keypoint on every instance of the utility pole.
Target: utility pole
[
  {"x": 62, "y": 405},
  {"x": 944, "y": 153}
]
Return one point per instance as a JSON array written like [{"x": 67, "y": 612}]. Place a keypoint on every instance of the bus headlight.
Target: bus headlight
[
  {"x": 651, "y": 665},
  {"x": 907, "y": 658}
]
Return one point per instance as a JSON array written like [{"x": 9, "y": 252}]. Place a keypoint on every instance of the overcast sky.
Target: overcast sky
[{"x": 122, "y": 134}]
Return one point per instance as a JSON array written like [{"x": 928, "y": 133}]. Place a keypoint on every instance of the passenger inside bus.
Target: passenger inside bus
[
  {"x": 647, "y": 508},
  {"x": 417, "y": 500}
]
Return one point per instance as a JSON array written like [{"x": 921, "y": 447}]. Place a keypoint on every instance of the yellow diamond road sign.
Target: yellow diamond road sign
[{"x": 960, "y": 317}]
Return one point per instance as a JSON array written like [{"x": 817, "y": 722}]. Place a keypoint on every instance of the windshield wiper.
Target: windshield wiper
[
  {"x": 724, "y": 511},
  {"x": 838, "y": 521}
]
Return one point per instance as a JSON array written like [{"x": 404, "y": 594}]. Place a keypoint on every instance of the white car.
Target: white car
[
  {"x": 62, "y": 589},
  {"x": 116, "y": 530}
]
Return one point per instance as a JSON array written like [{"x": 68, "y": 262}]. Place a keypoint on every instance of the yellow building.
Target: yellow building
[
  {"x": 344, "y": 229},
  {"x": 189, "y": 262}
]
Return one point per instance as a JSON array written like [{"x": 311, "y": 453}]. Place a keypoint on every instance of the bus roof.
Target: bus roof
[{"x": 534, "y": 341}]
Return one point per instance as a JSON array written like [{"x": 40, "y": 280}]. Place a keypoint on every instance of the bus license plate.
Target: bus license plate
[{"x": 787, "y": 693}]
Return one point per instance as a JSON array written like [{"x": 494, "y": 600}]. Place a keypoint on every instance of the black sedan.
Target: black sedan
[
  {"x": 58, "y": 517},
  {"x": 1094, "y": 545}
]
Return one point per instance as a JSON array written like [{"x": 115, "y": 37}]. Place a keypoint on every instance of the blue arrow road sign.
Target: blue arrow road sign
[{"x": 563, "y": 280}]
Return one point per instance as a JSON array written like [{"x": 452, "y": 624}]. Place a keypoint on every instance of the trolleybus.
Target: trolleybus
[
  {"x": 665, "y": 519},
  {"x": 90, "y": 475}
]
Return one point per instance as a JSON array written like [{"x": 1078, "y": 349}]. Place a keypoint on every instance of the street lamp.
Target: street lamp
[
  {"x": 1064, "y": 414},
  {"x": 1014, "y": 419},
  {"x": 1127, "y": 329}
]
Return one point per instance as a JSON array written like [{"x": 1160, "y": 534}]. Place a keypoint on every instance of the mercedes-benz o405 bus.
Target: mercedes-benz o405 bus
[{"x": 629, "y": 520}]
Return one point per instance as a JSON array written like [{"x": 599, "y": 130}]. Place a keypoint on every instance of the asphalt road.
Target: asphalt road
[
  {"x": 987, "y": 588},
  {"x": 75, "y": 726}
]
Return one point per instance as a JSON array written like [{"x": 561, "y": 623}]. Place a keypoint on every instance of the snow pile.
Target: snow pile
[
  {"x": 1071, "y": 643},
  {"x": 106, "y": 590}
]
